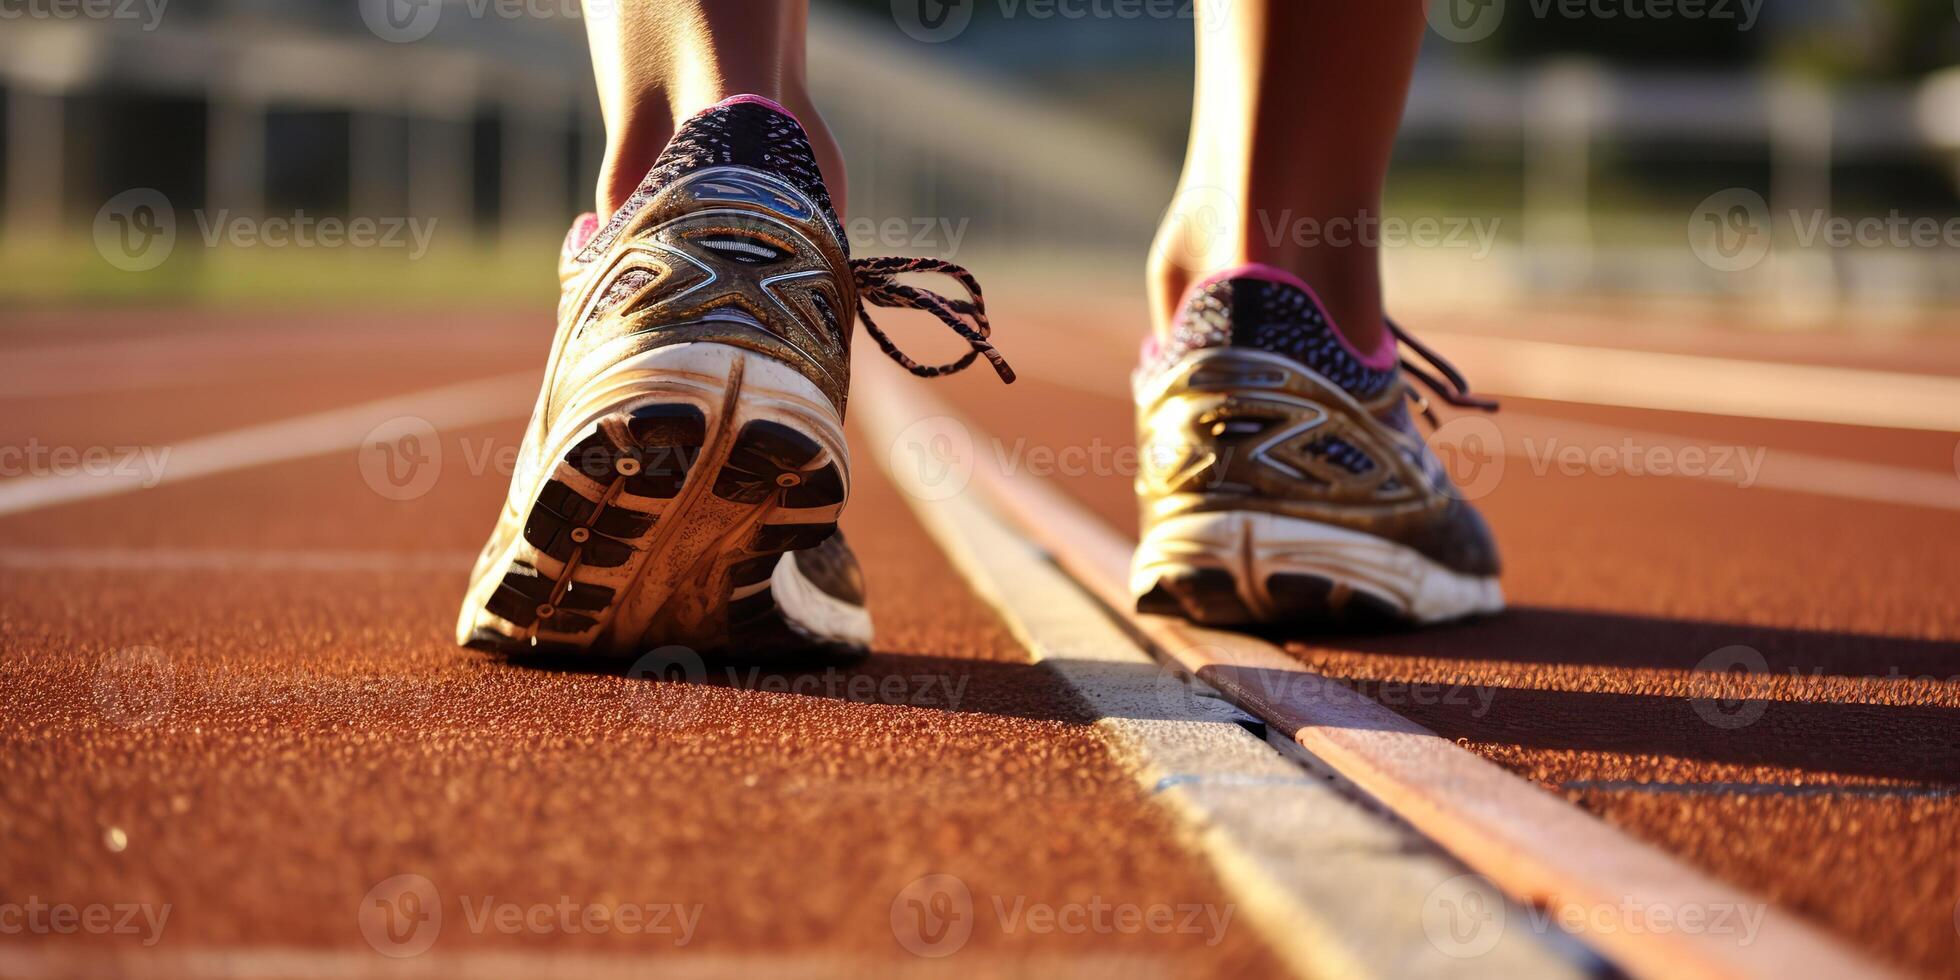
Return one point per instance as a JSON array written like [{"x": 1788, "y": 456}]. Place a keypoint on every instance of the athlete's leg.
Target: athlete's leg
[
  {"x": 659, "y": 63},
  {"x": 1284, "y": 480},
  {"x": 680, "y": 484},
  {"x": 1296, "y": 110}
]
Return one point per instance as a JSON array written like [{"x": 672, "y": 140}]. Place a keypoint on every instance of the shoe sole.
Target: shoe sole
[
  {"x": 686, "y": 474},
  {"x": 1243, "y": 568}
]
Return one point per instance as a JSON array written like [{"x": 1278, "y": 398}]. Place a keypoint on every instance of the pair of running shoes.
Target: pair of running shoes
[{"x": 682, "y": 476}]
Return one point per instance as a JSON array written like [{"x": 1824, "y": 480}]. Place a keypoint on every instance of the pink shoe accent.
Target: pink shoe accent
[
  {"x": 581, "y": 234},
  {"x": 1381, "y": 359},
  {"x": 756, "y": 100}
]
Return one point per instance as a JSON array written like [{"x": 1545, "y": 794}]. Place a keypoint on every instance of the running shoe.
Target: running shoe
[
  {"x": 1282, "y": 477},
  {"x": 682, "y": 475}
]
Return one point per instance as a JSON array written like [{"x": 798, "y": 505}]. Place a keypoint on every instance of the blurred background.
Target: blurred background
[{"x": 1791, "y": 163}]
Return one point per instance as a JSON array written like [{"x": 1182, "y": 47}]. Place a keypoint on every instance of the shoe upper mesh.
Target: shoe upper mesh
[
  {"x": 742, "y": 133},
  {"x": 1275, "y": 317}
]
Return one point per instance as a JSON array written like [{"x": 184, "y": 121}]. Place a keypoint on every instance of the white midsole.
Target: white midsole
[
  {"x": 816, "y": 613},
  {"x": 1254, "y": 546}
]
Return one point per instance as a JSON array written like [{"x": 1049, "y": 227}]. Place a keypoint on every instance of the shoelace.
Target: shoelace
[
  {"x": 878, "y": 285},
  {"x": 1457, "y": 392}
]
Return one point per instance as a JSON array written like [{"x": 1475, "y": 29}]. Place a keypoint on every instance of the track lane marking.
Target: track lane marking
[
  {"x": 300, "y": 962},
  {"x": 1782, "y": 469},
  {"x": 1761, "y": 789},
  {"x": 175, "y": 360},
  {"x": 492, "y": 399},
  {"x": 1785, "y": 687},
  {"x": 1531, "y": 843},
  {"x": 232, "y": 560},
  {"x": 1331, "y": 886},
  {"x": 1705, "y": 385}
]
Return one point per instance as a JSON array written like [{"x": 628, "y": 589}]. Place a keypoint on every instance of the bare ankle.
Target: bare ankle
[
  {"x": 632, "y": 150},
  {"x": 1190, "y": 249}
]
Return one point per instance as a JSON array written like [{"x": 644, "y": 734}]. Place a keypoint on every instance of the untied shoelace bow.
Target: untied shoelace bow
[
  {"x": 1456, "y": 391},
  {"x": 878, "y": 285}
]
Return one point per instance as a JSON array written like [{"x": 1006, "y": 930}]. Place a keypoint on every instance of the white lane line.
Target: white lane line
[
  {"x": 1332, "y": 887},
  {"x": 232, "y": 560},
  {"x": 130, "y": 363},
  {"x": 1762, "y": 789},
  {"x": 176, "y": 360},
  {"x": 1530, "y": 843},
  {"x": 1705, "y": 385},
  {"x": 1537, "y": 440},
  {"x": 492, "y": 399},
  {"x": 300, "y": 962}
]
